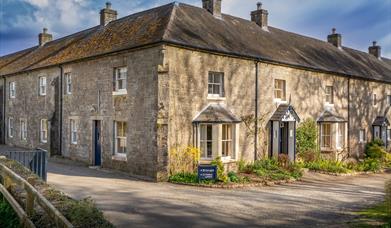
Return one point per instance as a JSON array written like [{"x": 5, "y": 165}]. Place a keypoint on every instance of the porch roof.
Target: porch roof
[
  {"x": 284, "y": 112},
  {"x": 216, "y": 113},
  {"x": 330, "y": 116},
  {"x": 381, "y": 121}
]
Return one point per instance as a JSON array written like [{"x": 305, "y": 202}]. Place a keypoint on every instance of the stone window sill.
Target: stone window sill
[
  {"x": 216, "y": 98},
  {"x": 279, "y": 101},
  {"x": 119, "y": 157},
  {"x": 120, "y": 93}
]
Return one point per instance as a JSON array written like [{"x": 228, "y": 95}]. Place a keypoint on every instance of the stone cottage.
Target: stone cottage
[{"x": 124, "y": 93}]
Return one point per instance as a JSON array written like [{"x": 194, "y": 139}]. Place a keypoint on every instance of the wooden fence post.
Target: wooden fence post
[{"x": 30, "y": 199}]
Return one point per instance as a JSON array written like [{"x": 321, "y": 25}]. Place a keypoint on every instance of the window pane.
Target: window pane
[
  {"x": 216, "y": 89},
  {"x": 209, "y": 149},
  {"x": 209, "y": 132},
  {"x": 210, "y": 89}
]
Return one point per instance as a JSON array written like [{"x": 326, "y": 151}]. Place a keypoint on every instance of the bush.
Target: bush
[
  {"x": 371, "y": 164},
  {"x": 8, "y": 217},
  {"x": 221, "y": 176},
  {"x": 327, "y": 166},
  {"x": 306, "y": 137},
  {"x": 375, "y": 152},
  {"x": 184, "y": 178},
  {"x": 270, "y": 169},
  {"x": 183, "y": 160},
  {"x": 233, "y": 177}
]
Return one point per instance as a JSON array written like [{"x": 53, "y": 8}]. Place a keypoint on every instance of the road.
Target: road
[{"x": 317, "y": 200}]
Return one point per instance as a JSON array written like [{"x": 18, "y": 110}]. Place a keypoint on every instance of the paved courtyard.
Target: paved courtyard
[{"x": 318, "y": 200}]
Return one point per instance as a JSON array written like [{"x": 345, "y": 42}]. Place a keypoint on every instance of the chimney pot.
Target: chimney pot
[
  {"x": 375, "y": 50},
  {"x": 260, "y": 16},
  {"x": 107, "y": 15},
  {"x": 213, "y": 6},
  {"x": 335, "y": 38},
  {"x": 44, "y": 37}
]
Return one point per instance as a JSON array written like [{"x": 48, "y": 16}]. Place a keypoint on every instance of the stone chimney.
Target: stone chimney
[
  {"x": 213, "y": 6},
  {"x": 260, "y": 16},
  {"x": 107, "y": 15},
  {"x": 375, "y": 50},
  {"x": 335, "y": 38},
  {"x": 44, "y": 37}
]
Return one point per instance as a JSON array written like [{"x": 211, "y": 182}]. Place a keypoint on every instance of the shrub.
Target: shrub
[
  {"x": 306, "y": 136},
  {"x": 270, "y": 169},
  {"x": 184, "y": 178},
  {"x": 233, "y": 177},
  {"x": 371, "y": 164},
  {"x": 327, "y": 166},
  {"x": 8, "y": 217},
  {"x": 183, "y": 160},
  {"x": 221, "y": 176},
  {"x": 283, "y": 160}
]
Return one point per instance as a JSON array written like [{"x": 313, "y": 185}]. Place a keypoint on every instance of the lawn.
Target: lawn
[{"x": 376, "y": 216}]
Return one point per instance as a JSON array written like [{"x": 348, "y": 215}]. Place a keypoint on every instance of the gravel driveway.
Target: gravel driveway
[{"x": 318, "y": 200}]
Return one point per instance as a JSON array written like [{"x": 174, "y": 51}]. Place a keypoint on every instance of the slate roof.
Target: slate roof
[
  {"x": 216, "y": 113},
  {"x": 381, "y": 121},
  {"x": 282, "y": 110},
  {"x": 194, "y": 27},
  {"x": 331, "y": 117}
]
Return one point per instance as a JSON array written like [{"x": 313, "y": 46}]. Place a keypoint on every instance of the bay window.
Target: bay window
[
  {"x": 206, "y": 140},
  {"x": 226, "y": 140},
  {"x": 325, "y": 135},
  {"x": 340, "y": 135}
]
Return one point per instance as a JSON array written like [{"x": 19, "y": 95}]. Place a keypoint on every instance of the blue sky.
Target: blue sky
[{"x": 359, "y": 21}]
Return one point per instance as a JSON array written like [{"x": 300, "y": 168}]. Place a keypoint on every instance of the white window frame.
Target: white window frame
[
  {"x": 204, "y": 141},
  {"x": 73, "y": 131},
  {"x": 362, "y": 136},
  {"x": 340, "y": 136},
  {"x": 12, "y": 88},
  {"x": 120, "y": 75},
  {"x": 43, "y": 130},
  {"x": 68, "y": 83},
  {"x": 278, "y": 89},
  {"x": 42, "y": 86},
  {"x": 322, "y": 136},
  {"x": 213, "y": 84},
  {"x": 117, "y": 137},
  {"x": 329, "y": 94},
  {"x": 23, "y": 129},
  {"x": 226, "y": 141},
  {"x": 11, "y": 127}
]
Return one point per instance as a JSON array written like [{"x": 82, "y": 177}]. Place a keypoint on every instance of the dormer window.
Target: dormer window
[{"x": 216, "y": 84}]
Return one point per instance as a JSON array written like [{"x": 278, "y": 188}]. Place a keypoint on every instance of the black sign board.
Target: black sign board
[{"x": 207, "y": 172}]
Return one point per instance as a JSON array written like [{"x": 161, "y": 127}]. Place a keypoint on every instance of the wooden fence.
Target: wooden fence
[
  {"x": 35, "y": 160},
  {"x": 32, "y": 196}
]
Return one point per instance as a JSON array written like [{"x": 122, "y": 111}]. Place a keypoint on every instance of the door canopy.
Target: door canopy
[
  {"x": 285, "y": 113},
  {"x": 381, "y": 121}
]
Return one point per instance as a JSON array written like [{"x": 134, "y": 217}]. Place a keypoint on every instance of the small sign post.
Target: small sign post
[{"x": 207, "y": 172}]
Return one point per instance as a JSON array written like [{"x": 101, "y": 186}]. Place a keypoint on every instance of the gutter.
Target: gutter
[
  {"x": 256, "y": 110},
  {"x": 61, "y": 94}
]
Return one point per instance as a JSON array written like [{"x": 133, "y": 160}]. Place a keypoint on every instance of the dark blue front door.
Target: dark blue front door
[{"x": 97, "y": 143}]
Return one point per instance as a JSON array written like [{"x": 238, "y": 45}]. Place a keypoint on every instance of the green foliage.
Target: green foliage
[
  {"x": 184, "y": 178},
  {"x": 184, "y": 159},
  {"x": 270, "y": 169},
  {"x": 387, "y": 198},
  {"x": 374, "y": 151},
  {"x": 221, "y": 176},
  {"x": 8, "y": 217},
  {"x": 327, "y": 166},
  {"x": 306, "y": 136}
]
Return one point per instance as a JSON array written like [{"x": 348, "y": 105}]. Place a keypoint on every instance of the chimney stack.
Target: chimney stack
[
  {"x": 213, "y": 6},
  {"x": 44, "y": 37},
  {"x": 335, "y": 38},
  {"x": 260, "y": 16},
  {"x": 375, "y": 50},
  {"x": 107, "y": 15}
]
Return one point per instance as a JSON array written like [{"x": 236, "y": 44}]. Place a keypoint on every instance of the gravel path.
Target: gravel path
[{"x": 318, "y": 200}]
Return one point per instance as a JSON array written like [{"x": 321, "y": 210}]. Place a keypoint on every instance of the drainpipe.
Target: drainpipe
[
  {"x": 4, "y": 105},
  {"x": 349, "y": 116},
  {"x": 256, "y": 111},
  {"x": 60, "y": 108}
]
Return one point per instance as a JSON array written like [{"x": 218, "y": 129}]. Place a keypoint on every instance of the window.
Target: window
[
  {"x": 12, "y": 88},
  {"x": 216, "y": 84},
  {"x": 389, "y": 99},
  {"x": 227, "y": 140},
  {"x": 325, "y": 136},
  {"x": 42, "y": 86},
  {"x": 120, "y": 77},
  {"x": 362, "y": 136},
  {"x": 11, "y": 127},
  {"x": 73, "y": 131},
  {"x": 279, "y": 89},
  {"x": 68, "y": 83},
  {"x": 120, "y": 137},
  {"x": 23, "y": 129},
  {"x": 330, "y": 94},
  {"x": 44, "y": 131},
  {"x": 206, "y": 140},
  {"x": 341, "y": 135},
  {"x": 374, "y": 99}
]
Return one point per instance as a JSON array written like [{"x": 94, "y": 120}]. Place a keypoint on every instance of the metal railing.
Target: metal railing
[{"x": 35, "y": 160}]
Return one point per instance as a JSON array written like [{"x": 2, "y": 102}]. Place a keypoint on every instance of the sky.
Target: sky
[{"x": 359, "y": 21}]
